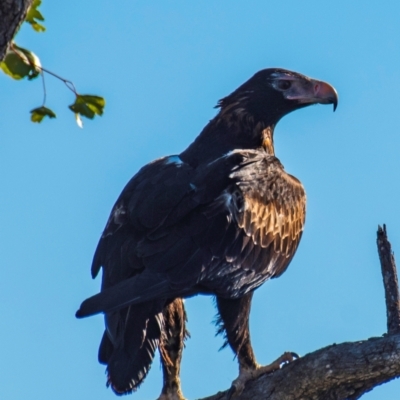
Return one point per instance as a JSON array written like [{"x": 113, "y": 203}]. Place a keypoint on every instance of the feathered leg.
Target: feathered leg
[
  {"x": 171, "y": 347},
  {"x": 234, "y": 323}
]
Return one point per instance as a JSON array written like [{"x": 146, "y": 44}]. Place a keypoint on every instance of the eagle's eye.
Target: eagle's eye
[{"x": 283, "y": 84}]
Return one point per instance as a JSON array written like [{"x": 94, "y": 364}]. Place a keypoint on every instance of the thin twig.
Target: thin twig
[
  {"x": 390, "y": 282},
  {"x": 44, "y": 89},
  {"x": 67, "y": 83}
]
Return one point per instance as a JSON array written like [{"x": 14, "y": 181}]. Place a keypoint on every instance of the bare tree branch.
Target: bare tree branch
[
  {"x": 390, "y": 281},
  {"x": 12, "y": 14},
  {"x": 343, "y": 371}
]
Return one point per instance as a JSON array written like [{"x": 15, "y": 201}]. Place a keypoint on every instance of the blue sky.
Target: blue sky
[{"x": 162, "y": 66}]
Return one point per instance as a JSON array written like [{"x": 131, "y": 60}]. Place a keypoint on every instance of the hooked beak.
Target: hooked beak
[
  {"x": 311, "y": 91},
  {"x": 324, "y": 93}
]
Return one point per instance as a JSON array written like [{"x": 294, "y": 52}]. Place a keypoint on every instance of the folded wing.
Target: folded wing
[{"x": 223, "y": 228}]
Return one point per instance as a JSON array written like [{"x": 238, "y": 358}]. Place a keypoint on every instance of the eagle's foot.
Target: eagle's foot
[
  {"x": 172, "y": 390},
  {"x": 172, "y": 395},
  {"x": 246, "y": 374}
]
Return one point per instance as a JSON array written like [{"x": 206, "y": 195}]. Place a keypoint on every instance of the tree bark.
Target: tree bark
[
  {"x": 12, "y": 15},
  {"x": 339, "y": 372},
  {"x": 343, "y": 371}
]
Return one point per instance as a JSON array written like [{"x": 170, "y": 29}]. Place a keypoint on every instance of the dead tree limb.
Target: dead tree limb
[
  {"x": 12, "y": 15},
  {"x": 390, "y": 282},
  {"x": 343, "y": 371}
]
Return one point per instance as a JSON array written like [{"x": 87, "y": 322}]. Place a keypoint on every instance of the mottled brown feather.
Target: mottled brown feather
[{"x": 273, "y": 209}]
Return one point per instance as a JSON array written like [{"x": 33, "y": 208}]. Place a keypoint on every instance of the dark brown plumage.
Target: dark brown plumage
[{"x": 221, "y": 218}]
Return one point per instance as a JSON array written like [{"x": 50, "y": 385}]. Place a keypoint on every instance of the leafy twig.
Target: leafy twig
[{"x": 21, "y": 63}]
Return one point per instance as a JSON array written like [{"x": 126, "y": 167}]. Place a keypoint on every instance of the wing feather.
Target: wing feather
[{"x": 274, "y": 209}]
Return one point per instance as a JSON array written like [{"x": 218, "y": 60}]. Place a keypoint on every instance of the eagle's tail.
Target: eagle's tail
[
  {"x": 129, "y": 344},
  {"x": 140, "y": 288}
]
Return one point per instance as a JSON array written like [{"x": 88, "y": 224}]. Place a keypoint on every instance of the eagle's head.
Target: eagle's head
[{"x": 274, "y": 92}]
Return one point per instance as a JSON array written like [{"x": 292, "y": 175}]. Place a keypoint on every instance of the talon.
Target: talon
[
  {"x": 237, "y": 387},
  {"x": 294, "y": 355},
  {"x": 231, "y": 392},
  {"x": 286, "y": 358},
  {"x": 248, "y": 374}
]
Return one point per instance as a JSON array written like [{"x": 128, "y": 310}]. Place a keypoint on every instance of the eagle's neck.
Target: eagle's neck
[
  {"x": 231, "y": 129},
  {"x": 268, "y": 140}
]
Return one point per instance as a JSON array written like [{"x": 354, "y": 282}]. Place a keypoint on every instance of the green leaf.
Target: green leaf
[
  {"x": 33, "y": 60},
  {"x": 88, "y": 105},
  {"x": 37, "y": 114},
  {"x": 34, "y": 15},
  {"x": 15, "y": 66},
  {"x": 20, "y": 63}
]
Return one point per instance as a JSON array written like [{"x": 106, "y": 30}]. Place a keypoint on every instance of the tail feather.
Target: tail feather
[
  {"x": 106, "y": 349},
  {"x": 138, "y": 289},
  {"x": 129, "y": 357}
]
